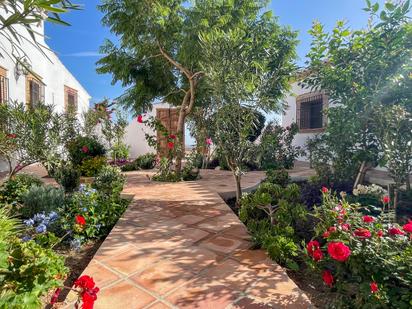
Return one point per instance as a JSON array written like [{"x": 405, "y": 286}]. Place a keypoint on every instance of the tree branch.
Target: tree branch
[{"x": 174, "y": 62}]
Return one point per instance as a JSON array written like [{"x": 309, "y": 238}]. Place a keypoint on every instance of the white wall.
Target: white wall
[{"x": 135, "y": 134}]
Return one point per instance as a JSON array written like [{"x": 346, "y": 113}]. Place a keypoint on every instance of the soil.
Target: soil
[{"x": 76, "y": 262}]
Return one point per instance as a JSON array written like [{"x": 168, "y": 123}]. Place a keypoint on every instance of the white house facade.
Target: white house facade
[
  {"x": 306, "y": 109},
  {"x": 42, "y": 78}
]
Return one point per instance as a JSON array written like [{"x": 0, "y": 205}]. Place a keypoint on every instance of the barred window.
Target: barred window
[
  {"x": 309, "y": 111},
  {"x": 34, "y": 91},
  {"x": 70, "y": 99},
  {"x": 4, "y": 86}
]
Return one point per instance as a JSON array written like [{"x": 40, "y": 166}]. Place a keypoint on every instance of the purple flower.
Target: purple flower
[{"x": 41, "y": 228}]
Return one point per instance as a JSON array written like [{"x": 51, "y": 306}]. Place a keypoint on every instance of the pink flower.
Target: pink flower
[
  {"x": 172, "y": 136},
  {"x": 368, "y": 219},
  {"x": 12, "y": 135},
  {"x": 327, "y": 278},
  {"x": 345, "y": 227},
  {"x": 208, "y": 141},
  {"x": 362, "y": 233},
  {"x": 55, "y": 296},
  {"x": 374, "y": 287},
  {"x": 339, "y": 251},
  {"x": 408, "y": 227},
  {"x": 332, "y": 229},
  {"x": 395, "y": 231},
  {"x": 140, "y": 119},
  {"x": 386, "y": 199},
  {"x": 312, "y": 246},
  {"x": 326, "y": 234},
  {"x": 379, "y": 233},
  {"x": 85, "y": 149},
  {"x": 325, "y": 190}
]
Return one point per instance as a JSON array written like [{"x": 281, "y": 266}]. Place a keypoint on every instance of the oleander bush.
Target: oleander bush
[
  {"x": 365, "y": 259},
  {"x": 84, "y": 147},
  {"x": 68, "y": 177}
]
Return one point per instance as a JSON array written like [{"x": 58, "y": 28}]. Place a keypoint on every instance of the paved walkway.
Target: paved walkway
[{"x": 180, "y": 246}]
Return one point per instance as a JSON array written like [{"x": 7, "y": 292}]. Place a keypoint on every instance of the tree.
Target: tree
[
  {"x": 248, "y": 68},
  {"x": 28, "y": 13},
  {"x": 360, "y": 71}
]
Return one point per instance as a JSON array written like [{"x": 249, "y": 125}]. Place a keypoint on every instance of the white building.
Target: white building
[
  {"x": 305, "y": 108},
  {"x": 49, "y": 80}
]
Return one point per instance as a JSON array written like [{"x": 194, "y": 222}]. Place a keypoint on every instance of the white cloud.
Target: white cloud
[{"x": 84, "y": 54}]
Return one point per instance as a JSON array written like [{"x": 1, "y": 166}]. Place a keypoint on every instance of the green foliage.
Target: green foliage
[
  {"x": 276, "y": 150},
  {"x": 84, "y": 147},
  {"x": 68, "y": 177},
  {"x": 378, "y": 256},
  {"x": 109, "y": 181},
  {"x": 362, "y": 71},
  {"x": 119, "y": 151},
  {"x": 14, "y": 189},
  {"x": 41, "y": 199},
  {"x": 279, "y": 177},
  {"x": 146, "y": 161},
  {"x": 165, "y": 171},
  {"x": 27, "y": 271},
  {"x": 90, "y": 167},
  {"x": 190, "y": 170}
]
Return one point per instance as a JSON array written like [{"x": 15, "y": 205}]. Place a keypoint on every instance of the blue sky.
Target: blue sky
[{"x": 78, "y": 45}]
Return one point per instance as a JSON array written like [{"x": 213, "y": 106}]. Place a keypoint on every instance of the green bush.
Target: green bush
[
  {"x": 41, "y": 199},
  {"x": 27, "y": 271},
  {"x": 119, "y": 151},
  {"x": 280, "y": 177},
  {"x": 90, "y": 167},
  {"x": 144, "y": 162},
  {"x": 84, "y": 147},
  {"x": 109, "y": 181},
  {"x": 68, "y": 177},
  {"x": 14, "y": 189}
]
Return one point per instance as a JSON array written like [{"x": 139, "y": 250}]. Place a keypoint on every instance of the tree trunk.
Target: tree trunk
[
  {"x": 238, "y": 190},
  {"x": 180, "y": 138},
  {"x": 361, "y": 175},
  {"x": 408, "y": 182}
]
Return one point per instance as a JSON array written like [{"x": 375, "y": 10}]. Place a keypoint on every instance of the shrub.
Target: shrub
[
  {"x": 14, "y": 189},
  {"x": 28, "y": 271},
  {"x": 84, "y": 147},
  {"x": 276, "y": 149},
  {"x": 90, "y": 167},
  {"x": 146, "y": 161},
  {"x": 109, "y": 181},
  {"x": 165, "y": 171},
  {"x": 68, "y": 177},
  {"x": 41, "y": 199},
  {"x": 365, "y": 259},
  {"x": 119, "y": 151},
  {"x": 280, "y": 177}
]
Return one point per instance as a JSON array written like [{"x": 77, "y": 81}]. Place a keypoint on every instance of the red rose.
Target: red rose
[
  {"x": 386, "y": 199},
  {"x": 140, "y": 119},
  {"x": 317, "y": 255},
  {"x": 362, "y": 233},
  {"x": 325, "y": 190},
  {"x": 80, "y": 220},
  {"x": 345, "y": 226},
  {"x": 374, "y": 287},
  {"x": 332, "y": 229},
  {"x": 312, "y": 246},
  {"x": 84, "y": 282},
  {"x": 339, "y": 251},
  {"x": 85, "y": 149},
  {"x": 55, "y": 296},
  {"x": 170, "y": 145},
  {"x": 408, "y": 227},
  {"x": 327, "y": 278},
  {"x": 326, "y": 234},
  {"x": 379, "y": 233},
  {"x": 368, "y": 219},
  {"x": 172, "y": 136},
  {"x": 395, "y": 231}
]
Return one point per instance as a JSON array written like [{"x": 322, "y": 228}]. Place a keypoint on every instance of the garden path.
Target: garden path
[{"x": 179, "y": 245}]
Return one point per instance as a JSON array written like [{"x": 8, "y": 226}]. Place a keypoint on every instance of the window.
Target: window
[
  {"x": 34, "y": 91},
  {"x": 70, "y": 99},
  {"x": 4, "y": 86},
  {"x": 309, "y": 112}
]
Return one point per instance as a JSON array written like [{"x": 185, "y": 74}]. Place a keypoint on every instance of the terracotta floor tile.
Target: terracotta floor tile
[
  {"x": 238, "y": 231},
  {"x": 247, "y": 303},
  {"x": 132, "y": 260},
  {"x": 193, "y": 259},
  {"x": 101, "y": 275},
  {"x": 111, "y": 247},
  {"x": 159, "y": 305},
  {"x": 190, "y": 219},
  {"x": 162, "y": 277},
  {"x": 223, "y": 244},
  {"x": 122, "y": 295},
  {"x": 192, "y": 234}
]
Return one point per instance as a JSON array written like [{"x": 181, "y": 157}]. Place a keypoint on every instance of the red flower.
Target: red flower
[
  {"x": 80, "y": 220},
  {"x": 317, "y": 255},
  {"x": 170, "y": 145},
  {"x": 325, "y": 190},
  {"x": 395, "y": 231},
  {"x": 326, "y": 234},
  {"x": 172, "y": 136},
  {"x": 312, "y": 246},
  {"x": 386, "y": 199},
  {"x": 11, "y": 135},
  {"x": 84, "y": 282},
  {"x": 374, "y": 287},
  {"x": 339, "y": 251},
  {"x": 332, "y": 229},
  {"x": 368, "y": 219},
  {"x": 85, "y": 149},
  {"x": 362, "y": 233},
  {"x": 408, "y": 227},
  {"x": 209, "y": 141},
  {"x": 327, "y": 278},
  {"x": 55, "y": 296},
  {"x": 89, "y": 296},
  {"x": 140, "y": 119},
  {"x": 345, "y": 226},
  {"x": 379, "y": 233}
]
